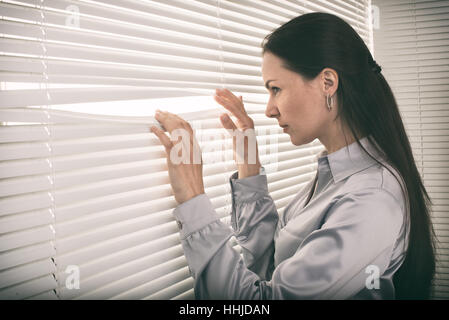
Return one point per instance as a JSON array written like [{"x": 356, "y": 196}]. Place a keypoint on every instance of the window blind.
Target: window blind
[
  {"x": 412, "y": 44},
  {"x": 87, "y": 190}
]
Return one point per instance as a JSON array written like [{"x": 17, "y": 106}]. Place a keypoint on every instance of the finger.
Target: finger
[
  {"x": 232, "y": 97},
  {"x": 163, "y": 138},
  {"x": 171, "y": 121},
  {"x": 225, "y": 102},
  {"x": 227, "y": 122},
  {"x": 228, "y": 105}
]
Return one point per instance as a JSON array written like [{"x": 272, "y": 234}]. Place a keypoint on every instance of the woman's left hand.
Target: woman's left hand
[{"x": 185, "y": 170}]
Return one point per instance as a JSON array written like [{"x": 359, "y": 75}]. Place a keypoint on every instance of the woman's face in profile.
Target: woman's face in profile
[{"x": 294, "y": 101}]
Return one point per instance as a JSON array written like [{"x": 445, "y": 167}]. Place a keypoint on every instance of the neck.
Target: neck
[{"x": 336, "y": 138}]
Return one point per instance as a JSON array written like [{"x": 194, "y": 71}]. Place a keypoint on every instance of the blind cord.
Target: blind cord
[{"x": 49, "y": 130}]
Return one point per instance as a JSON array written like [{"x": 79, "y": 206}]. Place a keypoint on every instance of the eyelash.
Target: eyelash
[{"x": 275, "y": 90}]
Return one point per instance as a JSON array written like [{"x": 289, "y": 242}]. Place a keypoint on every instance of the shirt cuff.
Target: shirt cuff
[
  {"x": 194, "y": 214},
  {"x": 249, "y": 188}
]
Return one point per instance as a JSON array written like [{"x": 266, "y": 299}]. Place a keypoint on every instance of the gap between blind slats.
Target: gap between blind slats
[
  {"x": 99, "y": 190},
  {"x": 96, "y": 158},
  {"x": 182, "y": 287},
  {"x": 151, "y": 266},
  {"x": 435, "y": 15},
  {"x": 11, "y": 168},
  {"x": 56, "y": 14},
  {"x": 55, "y": 67},
  {"x": 17, "y": 168},
  {"x": 198, "y": 118},
  {"x": 121, "y": 57},
  {"x": 36, "y": 132},
  {"x": 29, "y": 288},
  {"x": 20, "y": 30},
  {"x": 35, "y": 218},
  {"x": 94, "y": 259},
  {"x": 41, "y": 149},
  {"x": 48, "y": 295},
  {"x": 398, "y": 34},
  {"x": 27, "y": 254},
  {"x": 205, "y": 119},
  {"x": 25, "y": 273},
  {"x": 64, "y": 244},
  {"x": 200, "y": 12},
  {"x": 337, "y": 10},
  {"x": 412, "y": 6},
  {"x": 188, "y": 295},
  {"x": 155, "y": 27},
  {"x": 41, "y": 200},
  {"x": 157, "y": 40},
  {"x": 117, "y": 81},
  {"x": 227, "y": 9},
  {"x": 434, "y": 40},
  {"x": 9, "y": 98},
  {"x": 49, "y": 18},
  {"x": 126, "y": 260},
  {"x": 131, "y": 175},
  {"x": 98, "y": 219},
  {"x": 170, "y": 272}
]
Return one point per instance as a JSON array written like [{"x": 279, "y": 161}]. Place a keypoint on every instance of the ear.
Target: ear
[{"x": 329, "y": 80}]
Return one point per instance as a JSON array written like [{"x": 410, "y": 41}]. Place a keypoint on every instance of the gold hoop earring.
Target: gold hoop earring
[{"x": 329, "y": 105}]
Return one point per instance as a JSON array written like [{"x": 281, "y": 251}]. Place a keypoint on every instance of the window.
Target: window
[
  {"x": 84, "y": 193},
  {"x": 412, "y": 43}
]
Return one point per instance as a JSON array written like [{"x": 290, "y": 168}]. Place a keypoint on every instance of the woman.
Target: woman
[{"x": 360, "y": 230}]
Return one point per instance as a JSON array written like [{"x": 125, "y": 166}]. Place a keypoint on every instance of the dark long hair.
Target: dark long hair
[{"x": 366, "y": 105}]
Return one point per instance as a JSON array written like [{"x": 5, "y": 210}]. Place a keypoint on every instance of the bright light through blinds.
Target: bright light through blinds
[{"x": 84, "y": 191}]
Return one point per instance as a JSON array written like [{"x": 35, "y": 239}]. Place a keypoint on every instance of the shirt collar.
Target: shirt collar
[{"x": 350, "y": 159}]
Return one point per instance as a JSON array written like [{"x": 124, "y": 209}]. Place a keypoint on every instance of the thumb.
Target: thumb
[{"x": 227, "y": 122}]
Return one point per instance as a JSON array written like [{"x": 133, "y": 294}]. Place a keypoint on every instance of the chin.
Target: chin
[
  {"x": 299, "y": 141},
  {"x": 296, "y": 141}
]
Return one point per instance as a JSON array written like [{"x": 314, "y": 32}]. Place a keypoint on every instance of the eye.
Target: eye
[{"x": 275, "y": 90}]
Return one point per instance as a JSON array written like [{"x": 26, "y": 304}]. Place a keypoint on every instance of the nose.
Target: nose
[{"x": 271, "y": 110}]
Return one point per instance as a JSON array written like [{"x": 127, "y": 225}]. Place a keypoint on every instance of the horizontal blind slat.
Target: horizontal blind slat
[
  {"x": 29, "y": 288},
  {"x": 101, "y": 184}
]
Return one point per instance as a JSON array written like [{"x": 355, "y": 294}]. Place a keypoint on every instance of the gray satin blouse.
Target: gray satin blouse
[{"x": 345, "y": 243}]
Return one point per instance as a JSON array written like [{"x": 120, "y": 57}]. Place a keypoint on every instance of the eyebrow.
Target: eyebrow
[{"x": 268, "y": 82}]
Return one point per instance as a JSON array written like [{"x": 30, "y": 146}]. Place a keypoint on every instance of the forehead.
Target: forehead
[
  {"x": 271, "y": 64},
  {"x": 273, "y": 68}
]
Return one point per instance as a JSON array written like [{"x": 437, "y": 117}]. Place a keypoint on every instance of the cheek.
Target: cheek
[
  {"x": 307, "y": 117},
  {"x": 304, "y": 111}
]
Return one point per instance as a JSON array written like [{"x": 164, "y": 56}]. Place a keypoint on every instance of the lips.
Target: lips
[{"x": 284, "y": 126}]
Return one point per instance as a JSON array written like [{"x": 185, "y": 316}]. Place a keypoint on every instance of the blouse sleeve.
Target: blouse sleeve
[
  {"x": 254, "y": 219},
  {"x": 360, "y": 229}
]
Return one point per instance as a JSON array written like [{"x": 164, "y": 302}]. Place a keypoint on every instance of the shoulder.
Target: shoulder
[
  {"x": 376, "y": 182},
  {"x": 372, "y": 199}
]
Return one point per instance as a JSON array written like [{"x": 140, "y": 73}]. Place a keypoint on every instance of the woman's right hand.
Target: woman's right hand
[{"x": 235, "y": 105}]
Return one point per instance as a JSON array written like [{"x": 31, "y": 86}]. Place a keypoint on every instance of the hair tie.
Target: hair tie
[{"x": 375, "y": 67}]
